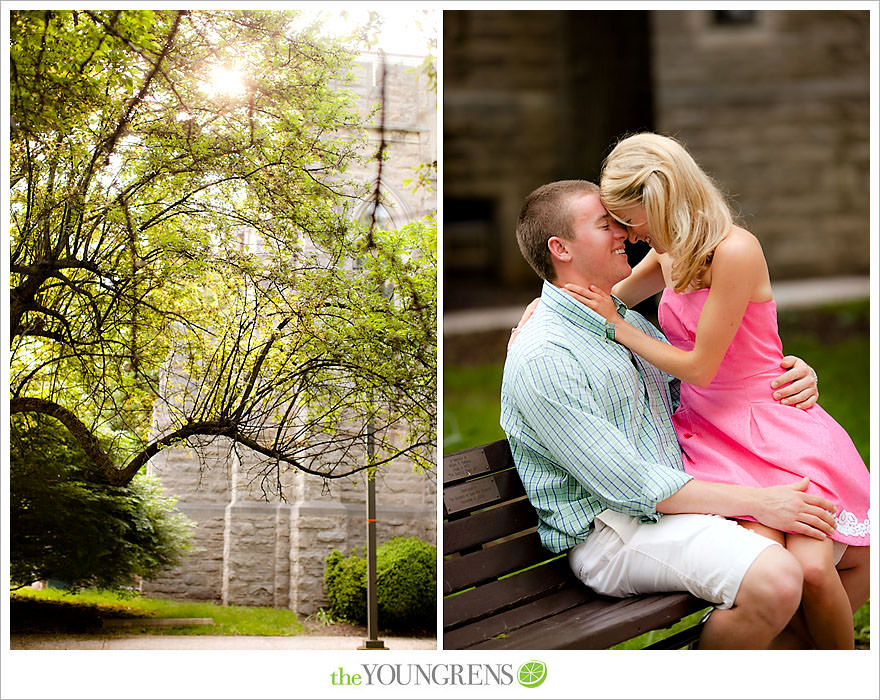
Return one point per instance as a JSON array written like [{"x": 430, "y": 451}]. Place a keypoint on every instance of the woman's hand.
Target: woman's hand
[
  {"x": 597, "y": 299},
  {"x": 526, "y": 315},
  {"x": 799, "y": 386}
]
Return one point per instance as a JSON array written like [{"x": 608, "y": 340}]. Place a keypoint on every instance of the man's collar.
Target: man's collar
[{"x": 578, "y": 313}]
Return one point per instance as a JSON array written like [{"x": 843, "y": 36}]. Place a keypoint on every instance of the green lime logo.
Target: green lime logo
[{"x": 531, "y": 674}]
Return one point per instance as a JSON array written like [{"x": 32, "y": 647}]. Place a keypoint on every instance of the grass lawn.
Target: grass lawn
[
  {"x": 471, "y": 403},
  {"x": 471, "y": 406},
  {"x": 84, "y": 611}
]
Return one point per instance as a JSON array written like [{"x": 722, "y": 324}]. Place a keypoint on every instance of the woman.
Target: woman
[{"x": 718, "y": 313}]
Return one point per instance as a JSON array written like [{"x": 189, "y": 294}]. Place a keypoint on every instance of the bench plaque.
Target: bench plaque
[
  {"x": 464, "y": 464},
  {"x": 473, "y": 493}
]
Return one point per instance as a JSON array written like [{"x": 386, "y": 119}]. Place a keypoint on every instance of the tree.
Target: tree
[
  {"x": 181, "y": 241},
  {"x": 67, "y": 523}
]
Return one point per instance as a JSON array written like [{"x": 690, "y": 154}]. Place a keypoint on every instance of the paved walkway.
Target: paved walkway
[
  {"x": 788, "y": 294},
  {"x": 155, "y": 642}
]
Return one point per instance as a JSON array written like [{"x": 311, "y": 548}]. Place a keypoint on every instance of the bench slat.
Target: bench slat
[
  {"x": 463, "y": 464},
  {"x": 488, "y": 525},
  {"x": 680, "y": 640},
  {"x": 488, "y": 536},
  {"x": 601, "y": 623},
  {"x": 493, "y": 597},
  {"x": 485, "y": 630},
  {"x": 479, "y": 493},
  {"x": 490, "y": 563}
]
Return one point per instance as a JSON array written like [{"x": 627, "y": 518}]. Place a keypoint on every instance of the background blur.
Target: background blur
[{"x": 773, "y": 104}]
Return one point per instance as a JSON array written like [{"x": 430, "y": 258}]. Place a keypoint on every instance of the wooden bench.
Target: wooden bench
[{"x": 503, "y": 590}]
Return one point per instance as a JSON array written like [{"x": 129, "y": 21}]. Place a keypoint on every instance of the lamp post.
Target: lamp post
[
  {"x": 373, "y": 641},
  {"x": 372, "y": 603}
]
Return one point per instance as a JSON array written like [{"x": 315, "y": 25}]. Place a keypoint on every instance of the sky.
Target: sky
[{"x": 406, "y": 28}]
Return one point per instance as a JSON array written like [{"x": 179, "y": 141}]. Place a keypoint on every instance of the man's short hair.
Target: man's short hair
[{"x": 544, "y": 214}]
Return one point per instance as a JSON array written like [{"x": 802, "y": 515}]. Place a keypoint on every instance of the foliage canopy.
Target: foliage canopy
[{"x": 183, "y": 246}]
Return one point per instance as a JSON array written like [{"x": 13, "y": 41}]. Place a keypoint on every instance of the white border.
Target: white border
[{"x": 600, "y": 674}]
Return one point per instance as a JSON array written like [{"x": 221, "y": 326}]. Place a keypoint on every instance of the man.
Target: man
[{"x": 589, "y": 426}]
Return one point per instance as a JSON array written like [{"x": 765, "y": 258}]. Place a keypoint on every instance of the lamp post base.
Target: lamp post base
[{"x": 373, "y": 644}]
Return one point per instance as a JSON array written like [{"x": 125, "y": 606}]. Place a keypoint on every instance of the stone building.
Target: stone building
[
  {"x": 774, "y": 104},
  {"x": 252, "y": 551}
]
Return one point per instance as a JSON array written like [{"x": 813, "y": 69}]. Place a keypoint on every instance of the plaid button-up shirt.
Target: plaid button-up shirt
[{"x": 588, "y": 422}]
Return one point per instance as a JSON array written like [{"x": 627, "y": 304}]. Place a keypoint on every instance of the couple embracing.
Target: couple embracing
[{"x": 688, "y": 461}]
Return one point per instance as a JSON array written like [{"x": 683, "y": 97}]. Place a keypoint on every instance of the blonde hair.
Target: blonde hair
[{"x": 687, "y": 214}]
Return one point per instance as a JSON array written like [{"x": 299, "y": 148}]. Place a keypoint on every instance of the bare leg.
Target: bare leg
[
  {"x": 763, "y": 530},
  {"x": 767, "y": 598},
  {"x": 795, "y": 635},
  {"x": 853, "y": 569},
  {"x": 855, "y": 575},
  {"x": 826, "y": 606}
]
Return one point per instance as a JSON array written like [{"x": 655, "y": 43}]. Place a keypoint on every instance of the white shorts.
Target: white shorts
[{"x": 707, "y": 555}]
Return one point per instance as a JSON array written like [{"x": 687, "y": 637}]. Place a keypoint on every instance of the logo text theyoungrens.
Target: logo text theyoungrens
[{"x": 425, "y": 674}]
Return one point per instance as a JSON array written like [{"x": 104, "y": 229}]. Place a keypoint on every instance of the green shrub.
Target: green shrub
[
  {"x": 406, "y": 584},
  {"x": 406, "y": 569},
  {"x": 862, "y": 625},
  {"x": 345, "y": 581},
  {"x": 67, "y": 523}
]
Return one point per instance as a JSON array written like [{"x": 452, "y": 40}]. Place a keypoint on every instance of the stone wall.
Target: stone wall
[
  {"x": 256, "y": 544},
  {"x": 525, "y": 102},
  {"x": 410, "y": 132},
  {"x": 250, "y": 551},
  {"x": 777, "y": 110},
  {"x": 256, "y": 567},
  {"x": 200, "y": 577}
]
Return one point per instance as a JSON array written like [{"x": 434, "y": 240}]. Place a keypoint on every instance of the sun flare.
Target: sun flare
[{"x": 223, "y": 80}]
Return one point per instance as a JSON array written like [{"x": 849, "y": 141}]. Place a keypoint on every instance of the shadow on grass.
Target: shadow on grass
[{"x": 31, "y": 616}]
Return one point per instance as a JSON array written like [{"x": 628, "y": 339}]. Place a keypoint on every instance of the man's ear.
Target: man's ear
[{"x": 559, "y": 248}]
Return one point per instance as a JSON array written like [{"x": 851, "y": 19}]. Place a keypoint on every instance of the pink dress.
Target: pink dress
[{"x": 734, "y": 431}]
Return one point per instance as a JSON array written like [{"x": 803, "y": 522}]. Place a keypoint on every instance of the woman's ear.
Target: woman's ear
[{"x": 558, "y": 248}]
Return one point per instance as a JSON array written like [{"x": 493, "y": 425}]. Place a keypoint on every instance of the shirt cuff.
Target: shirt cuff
[
  {"x": 609, "y": 330},
  {"x": 658, "y": 487}
]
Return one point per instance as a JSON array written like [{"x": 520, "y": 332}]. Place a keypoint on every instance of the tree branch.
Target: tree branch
[{"x": 88, "y": 442}]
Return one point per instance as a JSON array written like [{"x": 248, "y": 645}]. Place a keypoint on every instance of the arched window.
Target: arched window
[
  {"x": 391, "y": 213},
  {"x": 384, "y": 219}
]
